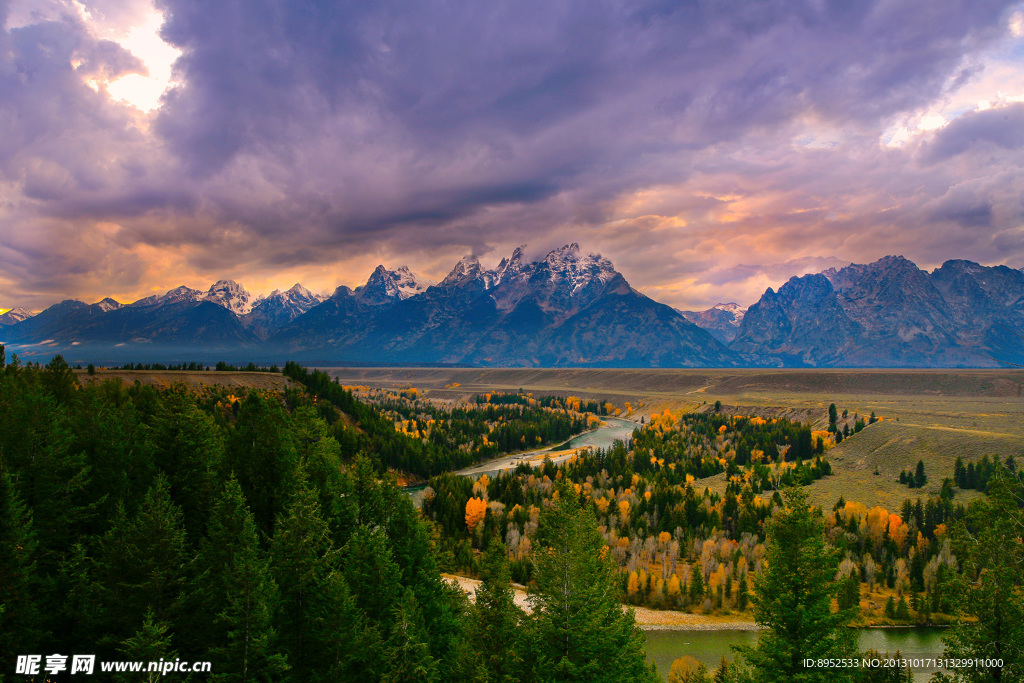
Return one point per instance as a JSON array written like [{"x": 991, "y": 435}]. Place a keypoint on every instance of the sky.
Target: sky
[{"x": 710, "y": 149}]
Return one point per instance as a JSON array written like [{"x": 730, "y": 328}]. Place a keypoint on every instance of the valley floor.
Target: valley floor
[{"x": 928, "y": 415}]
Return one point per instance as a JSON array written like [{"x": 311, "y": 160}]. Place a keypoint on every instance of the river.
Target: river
[
  {"x": 710, "y": 646},
  {"x": 614, "y": 429}
]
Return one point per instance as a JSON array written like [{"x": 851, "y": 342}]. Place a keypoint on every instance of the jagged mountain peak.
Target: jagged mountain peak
[
  {"x": 15, "y": 315},
  {"x": 107, "y": 304},
  {"x": 579, "y": 268},
  {"x": 467, "y": 269},
  {"x": 296, "y": 293},
  {"x": 721, "y": 320},
  {"x": 385, "y": 286},
  {"x": 509, "y": 267},
  {"x": 230, "y": 295},
  {"x": 279, "y": 308},
  {"x": 172, "y": 296}
]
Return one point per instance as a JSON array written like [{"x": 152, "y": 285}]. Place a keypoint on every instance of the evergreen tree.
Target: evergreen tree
[
  {"x": 372, "y": 574},
  {"x": 902, "y": 612},
  {"x": 496, "y": 634},
  {"x": 744, "y": 594},
  {"x": 189, "y": 449},
  {"x": 142, "y": 562},
  {"x": 849, "y": 593},
  {"x": 238, "y": 588},
  {"x": 408, "y": 648},
  {"x": 582, "y": 634},
  {"x": 989, "y": 548},
  {"x": 313, "y": 598},
  {"x": 696, "y": 585},
  {"x": 919, "y": 476},
  {"x": 793, "y": 596},
  {"x": 150, "y": 643},
  {"x": 59, "y": 379},
  {"x": 20, "y": 620},
  {"x": 262, "y": 455}
]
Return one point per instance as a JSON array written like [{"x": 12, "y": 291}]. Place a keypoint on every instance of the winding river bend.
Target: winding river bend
[
  {"x": 614, "y": 429},
  {"x": 710, "y": 646}
]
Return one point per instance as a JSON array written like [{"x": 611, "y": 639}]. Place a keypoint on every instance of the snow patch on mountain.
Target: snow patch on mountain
[
  {"x": 230, "y": 295},
  {"x": 174, "y": 296},
  {"x": 107, "y": 305},
  {"x": 15, "y": 315},
  {"x": 466, "y": 270},
  {"x": 385, "y": 286},
  {"x": 579, "y": 270}
]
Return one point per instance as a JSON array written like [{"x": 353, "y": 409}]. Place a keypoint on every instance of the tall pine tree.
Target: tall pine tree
[
  {"x": 238, "y": 590},
  {"x": 317, "y": 616},
  {"x": 793, "y": 597},
  {"x": 582, "y": 634},
  {"x": 989, "y": 587}
]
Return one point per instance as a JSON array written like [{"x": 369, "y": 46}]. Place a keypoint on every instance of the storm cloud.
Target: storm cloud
[{"x": 710, "y": 149}]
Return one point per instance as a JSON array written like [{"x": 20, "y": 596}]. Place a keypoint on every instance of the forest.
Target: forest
[
  {"x": 146, "y": 524},
  {"x": 266, "y": 532}
]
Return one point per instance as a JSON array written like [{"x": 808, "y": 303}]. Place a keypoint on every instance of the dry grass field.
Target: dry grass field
[
  {"x": 929, "y": 415},
  {"x": 194, "y": 380}
]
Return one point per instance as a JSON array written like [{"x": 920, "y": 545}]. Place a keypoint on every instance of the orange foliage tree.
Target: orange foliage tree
[{"x": 476, "y": 508}]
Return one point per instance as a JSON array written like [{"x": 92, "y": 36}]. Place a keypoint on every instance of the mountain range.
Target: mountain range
[{"x": 564, "y": 310}]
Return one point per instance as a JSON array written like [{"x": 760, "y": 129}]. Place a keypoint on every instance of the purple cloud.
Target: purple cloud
[{"x": 660, "y": 133}]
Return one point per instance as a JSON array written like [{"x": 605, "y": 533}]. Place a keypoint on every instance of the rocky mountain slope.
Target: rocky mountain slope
[
  {"x": 889, "y": 313},
  {"x": 15, "y": 315},
  {"x": 273, "y": 312},
  {"x": 721, "y": 320}
]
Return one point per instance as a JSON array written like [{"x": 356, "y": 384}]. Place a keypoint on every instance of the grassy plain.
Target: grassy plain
[
  {"x": 194, "y": 380},
  {"x": 929, "y": 415}
]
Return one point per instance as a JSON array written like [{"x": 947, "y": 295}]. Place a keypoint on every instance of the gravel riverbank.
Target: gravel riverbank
[{"x": 647, "y": 619}]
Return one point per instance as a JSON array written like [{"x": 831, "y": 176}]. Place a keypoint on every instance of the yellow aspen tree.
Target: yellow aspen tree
[
  {"x": 633, "y": 585},
  {"x": 476, "y": 508},
  {"x": 687, "y": 669},
  {"x": 674, "y": 587}
]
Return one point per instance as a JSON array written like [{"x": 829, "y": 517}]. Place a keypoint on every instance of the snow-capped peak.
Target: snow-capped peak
[
  {"x": 15, "y": 315},
  {"x": 731, "y": 307},
  {"x": 176, "y": 295},
  {"x": 569, "y": 263},
  {"x": 409, "y": 283},
  {"x": 508, "y": 268},
  {"x": 108, "y": 304},
  {"x": 230, "y": 295},
  {"x": 468, "y": 268},
  {"x": 297, "y": 296},
  {"x": 389, "y": 285}
]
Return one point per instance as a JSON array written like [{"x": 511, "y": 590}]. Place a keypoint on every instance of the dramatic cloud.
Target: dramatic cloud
[{"x": 709, "y": 149}]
